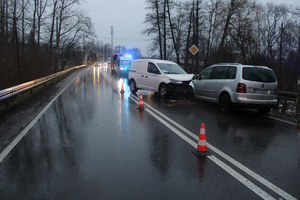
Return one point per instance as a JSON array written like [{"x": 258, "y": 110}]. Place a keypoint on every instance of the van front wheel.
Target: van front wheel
[
  {"x": 163, "y": 90},
  {"x": 132, "y": 86}
]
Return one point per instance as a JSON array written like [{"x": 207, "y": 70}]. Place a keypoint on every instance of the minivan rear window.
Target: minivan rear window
[{"x": 258, "y": 74}]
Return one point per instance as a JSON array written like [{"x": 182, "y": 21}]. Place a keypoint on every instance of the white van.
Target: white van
[{"x": 165, "y": 77}]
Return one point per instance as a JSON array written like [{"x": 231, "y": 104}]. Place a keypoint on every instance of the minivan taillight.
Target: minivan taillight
[
  {"x": 276, "y": 90},
  {"x": 241, "y": 88}
]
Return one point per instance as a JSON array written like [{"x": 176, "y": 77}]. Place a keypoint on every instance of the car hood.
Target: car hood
[{"x": 181, "y": 77}]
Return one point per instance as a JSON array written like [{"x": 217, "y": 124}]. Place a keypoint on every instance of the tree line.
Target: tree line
[
  {"x": 40, "y": 37},
  {"x": 242, "y": 31}
]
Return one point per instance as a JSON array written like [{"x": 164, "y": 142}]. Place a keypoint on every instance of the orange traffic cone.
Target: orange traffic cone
[
  {"x": 141, "y": 103},
  {"x": 122, "y": 89},
  {"x": 202, "y": 146}
]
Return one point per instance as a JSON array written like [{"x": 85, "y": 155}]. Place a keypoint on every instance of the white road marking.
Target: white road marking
[
  {"x": 224, "y": 166},
  {"x": 251, "y": 173},
  {"x": 228, "y": 158},
  {"x": 281, "y": 120},
  {"x": 228, "y": 169},
  {"x": 6, "y": 151},
  {"x": 241, "y": 178}
]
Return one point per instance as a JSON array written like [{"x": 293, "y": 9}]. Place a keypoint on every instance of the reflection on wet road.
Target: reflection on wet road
[{"x": 94, "y": 143}]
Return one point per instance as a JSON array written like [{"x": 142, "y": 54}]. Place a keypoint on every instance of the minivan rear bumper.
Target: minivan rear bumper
[{"x": 254, "y": 101}]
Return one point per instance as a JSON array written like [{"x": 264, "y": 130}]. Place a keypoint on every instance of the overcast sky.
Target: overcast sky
[{"x": 126, "y": 17}]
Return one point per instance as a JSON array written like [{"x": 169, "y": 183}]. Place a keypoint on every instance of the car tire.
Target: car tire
[
  {"x": 225, "y": 103},
  {"x": 132, "y": 86},
  {"x": 264, "y": 110},
  {"x": 163, "y": 90}
]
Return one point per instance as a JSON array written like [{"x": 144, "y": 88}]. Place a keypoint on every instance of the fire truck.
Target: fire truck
[{"x": 120, "y": 63}]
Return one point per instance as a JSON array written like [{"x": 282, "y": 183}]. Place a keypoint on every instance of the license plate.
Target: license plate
[{"x": 262, "y": 91}]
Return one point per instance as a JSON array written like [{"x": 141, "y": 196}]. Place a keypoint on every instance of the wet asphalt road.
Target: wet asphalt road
[{"x": 93, "y": 143}]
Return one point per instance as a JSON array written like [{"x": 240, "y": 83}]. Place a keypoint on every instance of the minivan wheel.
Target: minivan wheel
[
  {"x": 163, "y": 90},
  {"x": 225, "y": 103},
  {"x": 132, "y": 86},
  {"x": 264, "y": 110}
]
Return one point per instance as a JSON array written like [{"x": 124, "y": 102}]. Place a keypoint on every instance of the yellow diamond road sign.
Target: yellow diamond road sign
[{"x": 194, "y": 49}]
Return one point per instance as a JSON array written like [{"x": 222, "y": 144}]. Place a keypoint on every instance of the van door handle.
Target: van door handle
[
  {"x": 146, "y": 76},
  {"x": 221, "y": 85},
  {"x": 142, "y": 75}
]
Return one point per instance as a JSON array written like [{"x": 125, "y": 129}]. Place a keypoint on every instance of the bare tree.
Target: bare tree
[
  {"x": 41, "y": 7},
  {"x": 187, "y": 46},
  {"x": 158, "y": 26},
  {"x": 172, "y": 30},
  {"x": 153, "y": 20},
  {"x": 53, "y": 14},
  {"x": 229, "y": 9},
  {"x": 24, "y": 37}
]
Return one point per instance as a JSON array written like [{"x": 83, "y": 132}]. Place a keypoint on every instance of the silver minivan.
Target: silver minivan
[{"x": 233, "y": 84}]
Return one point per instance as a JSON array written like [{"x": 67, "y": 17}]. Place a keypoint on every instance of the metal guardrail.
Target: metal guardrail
[
  {"x": 290, "y": 96},
  {"x": 9, "y": 92}
]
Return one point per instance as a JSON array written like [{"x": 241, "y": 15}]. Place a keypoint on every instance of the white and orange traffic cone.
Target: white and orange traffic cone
[
  {"x": 141, "y": 103},
  {"x": 202, "y": 146},
  {"x": 122, "y": 89}
]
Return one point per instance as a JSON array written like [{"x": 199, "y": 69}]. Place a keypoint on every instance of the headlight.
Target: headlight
[
  {"x": 121, "y": 68},
  {"x": 175, "y": 81}
]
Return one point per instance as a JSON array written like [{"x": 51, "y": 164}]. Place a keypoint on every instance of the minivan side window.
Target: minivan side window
[
  {"x": 152, "y": 69},
  {"x": 219, "y": 72},
  {"x": 231, "y": 74},
  {"x": 205, "y": 74}
]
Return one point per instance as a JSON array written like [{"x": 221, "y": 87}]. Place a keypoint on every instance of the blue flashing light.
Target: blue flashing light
[{"x": 128, "y": 55}]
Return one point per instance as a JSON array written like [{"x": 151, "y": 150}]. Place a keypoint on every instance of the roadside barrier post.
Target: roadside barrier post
[{"x": 298, "y": 106}]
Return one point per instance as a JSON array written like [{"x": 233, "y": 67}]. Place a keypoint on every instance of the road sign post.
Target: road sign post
[{"x": 194, "y": 50}]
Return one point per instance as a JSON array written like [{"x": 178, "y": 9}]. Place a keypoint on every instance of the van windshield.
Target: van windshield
[
  {"x": 258, "y": 74},
  {"x": 168, "y": 68}
]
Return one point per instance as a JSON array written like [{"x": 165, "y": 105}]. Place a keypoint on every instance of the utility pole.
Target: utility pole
[{"x": 280, "y": 47}]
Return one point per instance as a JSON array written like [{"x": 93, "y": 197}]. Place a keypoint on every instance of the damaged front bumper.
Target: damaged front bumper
[{"x": 178, "y": 89}]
